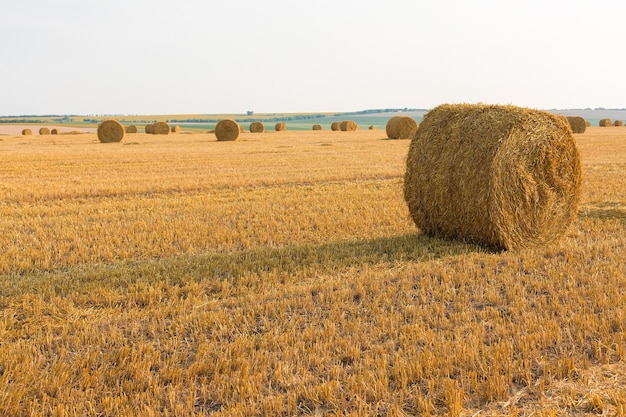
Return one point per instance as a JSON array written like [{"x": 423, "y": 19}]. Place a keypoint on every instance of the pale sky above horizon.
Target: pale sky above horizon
[{"x": 199, "y": 57}]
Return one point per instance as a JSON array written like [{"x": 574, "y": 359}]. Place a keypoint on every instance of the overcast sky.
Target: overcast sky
[{"x": 231, "y": 56}]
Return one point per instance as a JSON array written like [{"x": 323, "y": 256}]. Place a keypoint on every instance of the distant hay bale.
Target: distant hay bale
[
  {"x": 401, "y": 127},
  {"x": 348, "y": 126},
  {"x": 149, "y": 128},
  {"x": 131, "y": 129},
  {"x": 110, "y": 131},
  {"x": 227, "y": 130},
  {"x": 257, "y": 127},
  {"x": 44, "y": 131},
  {"x": 160, "y": 128},
  {"x": 577, "y": 123},
  {"x": 175, "y": 129},
  {"x": 605, "y": 123},
  {"x": 500, "y": 176},
  {"x": 54, "y": 132},
  {"x": 618, "y": 123},
  {"x": 372, "y": 127},
  {"x": 335, "y": 126},
  {"x": 242, "y": 129},
  {"x": 588, "y": 123},
  {"x": 317, "y": 127},
  {"x": 27, "y": 132},
  {"x": 280, "y": 127}
]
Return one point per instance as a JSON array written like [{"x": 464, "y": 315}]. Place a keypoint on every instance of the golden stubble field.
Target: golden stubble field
[{"x": 281, "y": 275}]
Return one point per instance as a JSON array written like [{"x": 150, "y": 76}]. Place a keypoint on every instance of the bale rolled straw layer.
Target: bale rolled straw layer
[
  {"x": 160, "y": 128},
  {"x": 131, "y": 129},
  {"x": 501, "y": 176},
  {"x": 280, "y": 127},
  {"x": 401, "y": 127},
  {"x": 577, "y": 123},
  {"x": 257, "y": 127},
  {"x": 227, "y": 130},
  {"x": 110, "y": 131},
  {"x": 605, "y": 123}
]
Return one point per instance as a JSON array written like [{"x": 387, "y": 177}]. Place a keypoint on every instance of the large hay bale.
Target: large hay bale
[
  {"x": 335, "y": 126},
  {"x": 149, "y": 128},
  {"x": 44, "y": 131},
  {"x": 348, "y": 126},
  {"x": 27, "y": 132},
  {"x": 501, "y": 176},
  {"x": 131, "y": 129},
  {"x": 280, "y": 127},
  {"x": 160, "y": 128},
  {"x": 227, "y": 130},
  {"x": 257, "y": 127},
  {"x": 317, "y": 127},
  {"x": 605, "y": 123},
  {"x": 401, "y": 127},
  {"x": 618, "y": 123},
  {"x": 110, "y": 131},
  {"x": 577, "y": 123}
]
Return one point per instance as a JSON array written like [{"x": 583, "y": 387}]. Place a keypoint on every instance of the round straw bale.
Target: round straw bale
[
  {"x": 27, "y": 132},
  {"x": 44, "y": 131},
  {"x": 501, "y": 176},
  {"x": 588, "y": 123},
  {"x": 257, "y": 127},
  {"x": 335, "y": 126},
  {"x": 54, "y": 132},
  {"x": 577, "y": 123},
  {"x": 110, "y": 131},
  {"x": 280, "y": 127},
  {"x": 227, "y": 130},
  {"x": 149, "y": 128},
  {"x": 317, "y": 127},
  {"x": 131, "y": 129},
  {"x": 605, "y": 122},
  {"x": 160, "y": 128},
  {"x": 401, "y": 127},
  {"x": 618, "y": 123},
  {"x": 372, "y": 127},
  {"x": 175, "y": 129},
  {"x": 348, "y": 126}
]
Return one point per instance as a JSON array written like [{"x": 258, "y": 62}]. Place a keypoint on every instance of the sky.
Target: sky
[{"x": 217, "y": 57}]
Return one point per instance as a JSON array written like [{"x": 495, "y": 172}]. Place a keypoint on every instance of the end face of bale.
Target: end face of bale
[
  {"x": 335, "y": 126},
  {"x": 501, "y": 176},
  {"x": 175, "y": 129},
  {"x": 349, "y": 126},
  {"x": 618, "y": 123},
  {"x": 401, "y": 127},
  {"x": 149, "y": 128},
  {"x": 257, "y": 127},
  {"x": 280, "y": 127},
  {"x": 54, "y": 132},
  {"x": 110, "y": 131},
  {"x": 44, "y": 131},
  {"x": 160, "y": 128},
  {"x": 227, "y": 130},
  {"x": 27, "y": 132},
  {"x": 577, "y": 123},
  {"x": 317, "y": 127},
  {"x": 605, "y": 123},
  {"x": 131, "y": 129}
]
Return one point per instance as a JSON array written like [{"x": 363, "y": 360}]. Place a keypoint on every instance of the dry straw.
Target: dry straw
[
  {"x": 335, "y": 126},
  {"x": 372, "y": 127},
  {"x": 501, "y": 176},
  {"x": 27, "y": 132},
  {"x": 227, "y": 130},
  {"x": 54, "y": 132},
  {"x": 257, "y": 127},
  {"x": 577, "y": 123},
  {"x": 131, "y": 129},
  {"x": 175, "y": 129},
  {"x": 401, "y": 127},
  {"x": 605, "y": 122},
  {"x": 349, "y": 126},
  {"x": 160, "y": 128},
  {"x": 618, "y": 123},
  {"x": 280, "y": 127},
  {"x": 149, "y": 128},
  {"x": 44, "y": 131},
  {"x": 317, "y": 127},
  {"x": 110, "y": 131}
]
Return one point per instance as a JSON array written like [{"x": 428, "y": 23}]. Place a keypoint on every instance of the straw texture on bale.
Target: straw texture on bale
[
  {"x": 401, "y": 127},
  {"x": 44, "y": 131},
  {"x": 227, "y": 130},
  {"x": 280, "y": 127},
  {"x": 257, "y": 127},
  {"x": 149, "y": 128},
  {"x": 54, "y": 132},
  {"x": 618, "y": 123},
  {"x": 110, "y": 131},
  {"x": 605, "y": 122},
  {"x": 348, "y": 126},
  {"x": 131, "y": 129},
  {"x": 27, "y": 132},
  {"x": 160, "y": 128},
  {"x": 335, "y": 126},
  {"x": 317, "y": 127},
  {"x": 500, "y": 176},
  {"x": 577, "y": 123}
]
